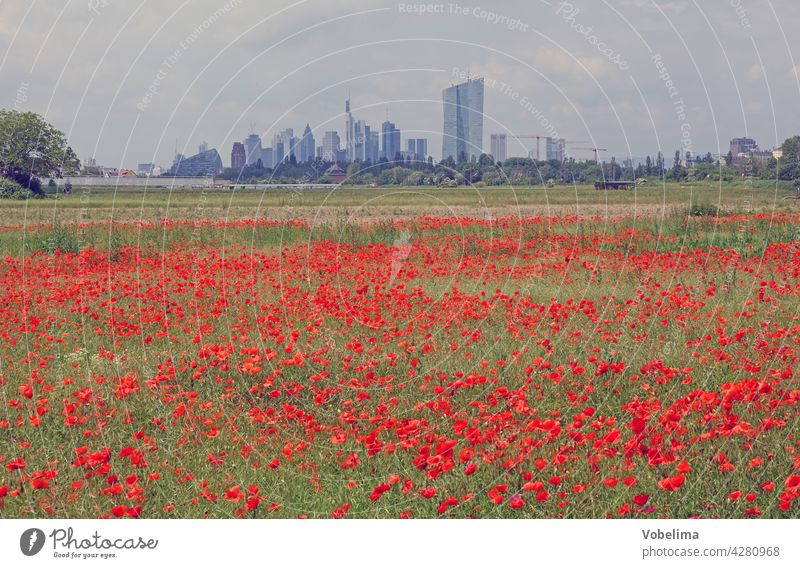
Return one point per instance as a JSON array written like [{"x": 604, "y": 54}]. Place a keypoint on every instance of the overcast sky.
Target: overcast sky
[{"x": 127, "y": 79}]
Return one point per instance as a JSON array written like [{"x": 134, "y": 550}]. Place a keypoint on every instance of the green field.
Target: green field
[{"x": 127, "y": 204}]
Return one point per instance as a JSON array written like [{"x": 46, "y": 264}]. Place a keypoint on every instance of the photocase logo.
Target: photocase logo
[{"x": 31, "y": 542}]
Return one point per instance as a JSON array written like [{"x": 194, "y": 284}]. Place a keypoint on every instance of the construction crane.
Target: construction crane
[
  {"x": 573, "y": 142},
  {"x": 595, "y": 150}
]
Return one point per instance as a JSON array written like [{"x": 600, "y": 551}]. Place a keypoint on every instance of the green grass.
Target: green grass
[{"x": 105, "y": 204}]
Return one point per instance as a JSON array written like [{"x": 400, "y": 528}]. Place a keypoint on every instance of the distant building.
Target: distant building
[
  {"x": 278, "y": 153},
  {"x": 290, "y": 144},
  {"x": 238, "y": 156},
  {"x": 417, "y": 148},
  {"x": 390, "y": 140},
  {"x": 350, "y": 132},
  {"x": 462, "y": 132},
  {"x": 499, "y": 147},
  {"x": 268, "y": 158},
  {"x": 373, "y": 147},
  {"x": 206, "y": 163},
  {"x": 742, "y": 146},
  {"x": 203, "y": 147},
  {"x": 336, "y": 174},
  {"x": 555, "y": 149},
  {"x": 330, "y": 146},
  {"x": 422, "y": 149},
  {"x": 362, "y": 135},
  {"x": 307, "y": 145},
  {"x": 252, "y": 146},
  {"x": 762, "y": 157},
  {"x": 145, "y": 169}
]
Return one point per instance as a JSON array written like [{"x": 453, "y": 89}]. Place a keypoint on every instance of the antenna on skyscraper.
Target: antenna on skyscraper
[{"x": 252, "y": 128}]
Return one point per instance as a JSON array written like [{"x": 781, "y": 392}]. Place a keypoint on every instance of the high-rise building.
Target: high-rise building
[
  {"x": 422, "y": 149},
  {"x": 462, "y": 133},
  {"x": 285, "y": 145},
  {"x": 374, "y": 147},
  {"x": 390, "y": 140},
  {"x": 268, "y": 158},
  {"x": 350, "y": 132},
  {"x": 361, "y": 134},
  {"x": 417, "y": 149},
  {"x": 555, "y": 148},
  {"x": 330, "y": 146},
  {"x": 203, "y": 147},
  {"x": 252, "y": 146},
  {"x": 499, "y": 149},
  {"x": 307, "y": 145},
  {"x": 238, "y": 156}
]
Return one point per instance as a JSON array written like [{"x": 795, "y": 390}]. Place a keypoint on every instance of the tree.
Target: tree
[
  {"x": 791, "y": 151},
  {"x": 486, "y": 161},
  {"x": 31, "y": 148}
]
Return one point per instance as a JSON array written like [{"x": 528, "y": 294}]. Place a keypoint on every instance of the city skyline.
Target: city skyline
[{"x": 677, "y": 73}]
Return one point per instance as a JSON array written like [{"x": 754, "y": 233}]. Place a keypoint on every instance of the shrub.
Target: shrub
[
  {"x": 703, "y": 210},
  {"x": 9, "y": 189}
]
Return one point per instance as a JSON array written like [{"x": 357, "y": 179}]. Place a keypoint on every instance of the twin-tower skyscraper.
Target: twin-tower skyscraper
[{"x": 462, "y": 134}]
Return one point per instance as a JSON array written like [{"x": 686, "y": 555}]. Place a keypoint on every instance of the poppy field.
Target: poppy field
[{"x": 534, "y": 367}]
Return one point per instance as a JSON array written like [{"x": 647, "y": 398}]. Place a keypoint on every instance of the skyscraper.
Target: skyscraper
[
  {"x": 307, "y": 145},
  {"x": 350, "y": 132},
  {"x": 554, "y": 148},
  {"x": 390, "y": 139},
  {"x": 330, "y": 146},
  {"x": 361, "y": 134},
  {"x": 422, "y": 149},
  {"x": 203, "y": 147},
  {"x": 267, "y": 159},
  {"x": 374, "y": 147},
  {"x": 238, "y": 156},
  {"x": 252, "y": 145},
  {"x": 499, "y": 148},
  {"x": 462, "y": 133}
]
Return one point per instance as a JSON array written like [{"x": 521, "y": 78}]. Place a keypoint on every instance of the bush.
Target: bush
[
  {"x": 28, "y": 182},
  {"x": 9, "y": 189},
  {"x": 704, "y": 210}
]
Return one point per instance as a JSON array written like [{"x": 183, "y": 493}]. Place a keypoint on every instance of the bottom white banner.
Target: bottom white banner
[{"x": 354, "y": 544}]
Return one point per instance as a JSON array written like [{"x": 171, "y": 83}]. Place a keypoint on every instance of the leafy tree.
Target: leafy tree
[
  {"x": 31, "y": 148},
  {"x": 486, "y": 161},
  {"x": 791, "y": 150}
]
